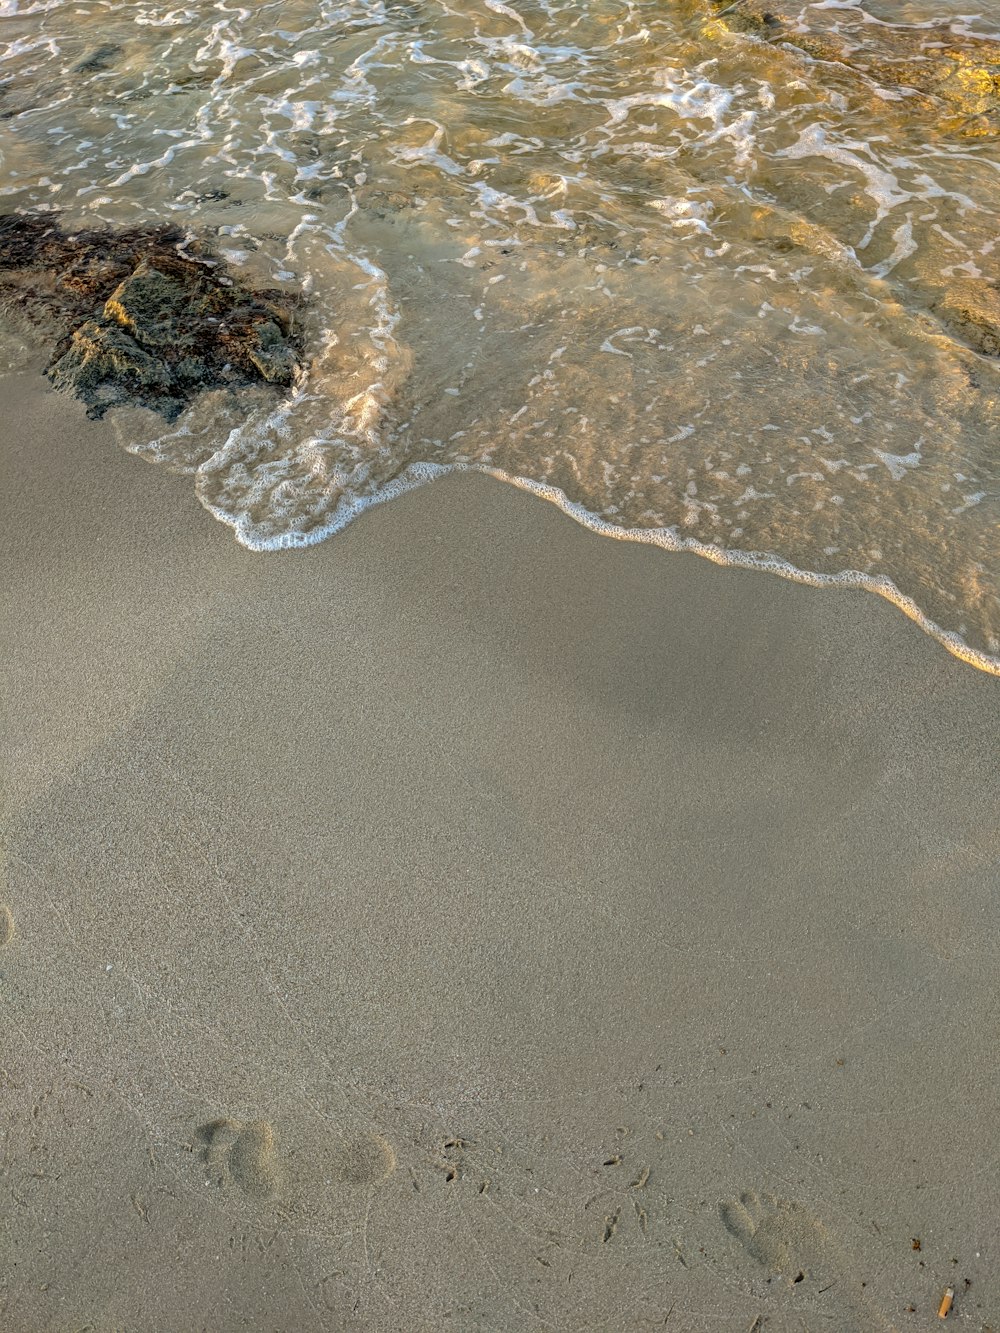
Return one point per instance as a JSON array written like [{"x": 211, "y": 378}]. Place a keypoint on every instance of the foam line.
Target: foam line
[{"x": 419, "y": 474}]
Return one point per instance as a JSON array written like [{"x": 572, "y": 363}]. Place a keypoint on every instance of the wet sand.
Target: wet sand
[{"x": 472, "y": 922}]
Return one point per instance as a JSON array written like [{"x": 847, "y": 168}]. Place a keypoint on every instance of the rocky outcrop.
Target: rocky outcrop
[{"x": 143, "y": 316}]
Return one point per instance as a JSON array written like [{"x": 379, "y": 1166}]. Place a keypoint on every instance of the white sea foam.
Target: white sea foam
[
  {"x": 668, "y": 287},
  {"x": 351, "y": 506}
]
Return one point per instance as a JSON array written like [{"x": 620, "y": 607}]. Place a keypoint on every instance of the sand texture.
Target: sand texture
[{"x": 475, "y": 923}]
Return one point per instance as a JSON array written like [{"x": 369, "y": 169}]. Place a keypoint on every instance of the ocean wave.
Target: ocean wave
[{"x": 699, "y": 287}]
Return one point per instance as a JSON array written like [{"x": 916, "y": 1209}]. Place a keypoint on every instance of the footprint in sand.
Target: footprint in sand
[
  {"x": 785, "y": 1238},
  {"x": 781, "y": 1235},
  {"x": 243, "y": 1153},
  {"x": 368, "y": 1159},
  {"x": 6, "y": 925}
]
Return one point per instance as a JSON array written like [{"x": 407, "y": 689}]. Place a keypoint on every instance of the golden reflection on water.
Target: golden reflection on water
[{"x": 723, "y": 276}]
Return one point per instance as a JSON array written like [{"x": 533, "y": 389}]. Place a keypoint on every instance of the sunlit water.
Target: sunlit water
[{"x": 692, "y": 286}]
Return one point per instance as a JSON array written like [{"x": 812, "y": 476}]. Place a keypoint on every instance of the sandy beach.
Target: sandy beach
[{"x": 472, "y": 922}]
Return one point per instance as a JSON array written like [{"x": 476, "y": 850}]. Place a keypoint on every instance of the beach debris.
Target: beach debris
[
  {"x": 947, "y": 1300},
  {"x": 147, "y": 316}
]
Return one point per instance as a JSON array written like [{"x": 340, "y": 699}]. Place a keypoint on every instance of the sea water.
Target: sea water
[{"x": 697, "y": 284}]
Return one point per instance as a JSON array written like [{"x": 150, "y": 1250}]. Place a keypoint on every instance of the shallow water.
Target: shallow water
[{"x": 697, "y": 287}]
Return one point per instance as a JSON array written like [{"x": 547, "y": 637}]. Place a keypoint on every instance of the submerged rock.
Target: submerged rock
[
  {"x": 100, "y": 59},
  {"x": 144, "y": 316},
  {"x": 953, "y": 78},
  {"x": 972, "y": 311},
  {"x": 268, "y": 350}
]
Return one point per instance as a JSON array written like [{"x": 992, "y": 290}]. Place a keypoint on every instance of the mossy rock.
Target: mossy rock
[
  {"x": 103, "y": 365},
  {"x": 268, "y": 350},
  {"x": 138, "y": 321},
  {"x": 154, "y": 307}
]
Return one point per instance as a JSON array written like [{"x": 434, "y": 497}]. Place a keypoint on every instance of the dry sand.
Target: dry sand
[{"x": 476, "y": 923}]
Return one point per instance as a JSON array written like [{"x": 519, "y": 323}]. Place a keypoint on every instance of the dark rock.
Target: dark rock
[
  {"x": 99, "y": 60},
  {"x": 140, "y": 317},
  {"x": 268, "y": 350},
  {"x": 103, "y": 365},
  {"x": 154, "y": 307}
]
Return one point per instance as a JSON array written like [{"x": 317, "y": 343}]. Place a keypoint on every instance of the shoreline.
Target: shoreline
[
  {"x": 472, "y": 923},
  {"x": 422, "y": 474},
  {"x": 664, "y": 539}
]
